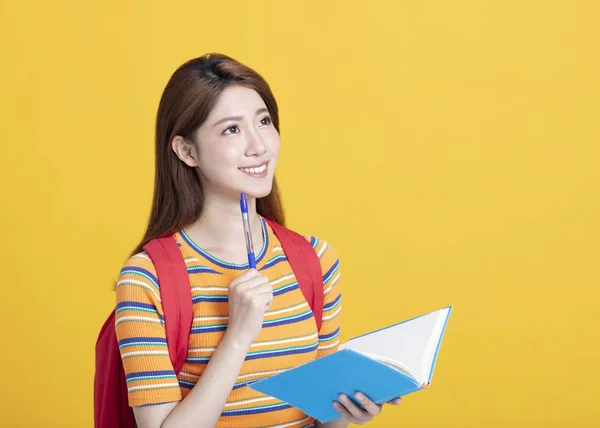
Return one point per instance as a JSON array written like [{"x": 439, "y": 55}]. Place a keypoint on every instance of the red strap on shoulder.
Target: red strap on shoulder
[
  {"x": 175, "y": 295},
  {"x": 305, "y": 265}
]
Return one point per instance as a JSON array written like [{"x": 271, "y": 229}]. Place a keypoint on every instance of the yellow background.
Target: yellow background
[{"x": 449, "y": 150}]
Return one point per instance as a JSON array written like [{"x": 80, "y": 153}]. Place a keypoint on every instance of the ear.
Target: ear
[{"x": 185, "y": 150}]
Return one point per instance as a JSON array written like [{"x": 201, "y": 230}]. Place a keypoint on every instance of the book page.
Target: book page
[
  {"x": 432, "y": 347},
  {"x": 408, "y": 343}
]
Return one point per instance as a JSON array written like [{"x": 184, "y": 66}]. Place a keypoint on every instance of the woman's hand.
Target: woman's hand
[
  {"x": 354, "y": 414},
  {"x": 250, "y": 295}
]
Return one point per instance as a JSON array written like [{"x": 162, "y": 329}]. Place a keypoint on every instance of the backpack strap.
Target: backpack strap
[
  {"x": 305, "y": 265},
  {"x": 175, "y": 295}
]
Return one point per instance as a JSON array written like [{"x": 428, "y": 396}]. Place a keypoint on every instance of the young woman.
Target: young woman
[{"x": 217, "y": 135}]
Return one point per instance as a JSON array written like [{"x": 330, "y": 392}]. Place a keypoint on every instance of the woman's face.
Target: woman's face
[{"x": 236, "y": 148}]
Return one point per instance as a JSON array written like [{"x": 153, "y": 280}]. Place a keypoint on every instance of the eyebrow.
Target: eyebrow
[{"x": 239, "y": 118}]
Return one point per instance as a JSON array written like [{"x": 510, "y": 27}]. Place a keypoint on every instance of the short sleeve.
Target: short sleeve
[
  {"x": 140, "y": 329},
  {"x": 329, "y": 335}
]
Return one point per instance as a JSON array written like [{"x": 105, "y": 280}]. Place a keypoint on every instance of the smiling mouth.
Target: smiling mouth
[{"x": 257, "y": 171}]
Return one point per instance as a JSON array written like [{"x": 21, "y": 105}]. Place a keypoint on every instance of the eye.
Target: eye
[
  {"x": 231, "y": 130},
  {"x": 265, "y": 121}
]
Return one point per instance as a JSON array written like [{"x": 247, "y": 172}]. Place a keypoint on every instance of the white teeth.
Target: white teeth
[{"x": 255, "y": 170}]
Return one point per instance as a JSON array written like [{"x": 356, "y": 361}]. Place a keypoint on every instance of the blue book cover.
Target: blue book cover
[{"x": 388, "y": 363}]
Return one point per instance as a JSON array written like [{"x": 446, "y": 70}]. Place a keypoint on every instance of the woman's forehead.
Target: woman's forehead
[{"x": 237, "y": 101}]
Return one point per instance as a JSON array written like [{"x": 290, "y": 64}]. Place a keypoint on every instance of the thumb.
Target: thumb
[{"x": 395, "y": 401}]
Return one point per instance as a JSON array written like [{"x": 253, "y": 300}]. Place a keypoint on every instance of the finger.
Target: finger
[
  {"x": 266, "y": 297},
  {"x": 260, "y": 280},
  {"x": 250, "y": 273},
  {"x": 395, "y": 401},
  {"x": 345, "y": 413},
  {"x": 356, "y": 411},
  {"x": 254, "y": 283},
  {"x": 265, "y": 294},
  {"x": 372, "y": 408},
  {"x": 263, "y": 286}
]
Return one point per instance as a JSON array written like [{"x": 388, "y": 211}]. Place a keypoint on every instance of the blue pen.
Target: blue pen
[{"x": 249, "y": 247}]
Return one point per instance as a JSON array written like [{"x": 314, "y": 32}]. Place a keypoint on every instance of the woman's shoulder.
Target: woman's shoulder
[
  {"x": 328, "y": 255},
  {"x": 320, "y": 245},
  {"x": 324, "y": 249},
  {"x": 139, "y": 267},
  {"x": 329, "y": 261}
]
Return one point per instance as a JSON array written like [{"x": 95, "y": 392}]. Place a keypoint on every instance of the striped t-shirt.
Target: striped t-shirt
[{"x": 288, "y": 337}]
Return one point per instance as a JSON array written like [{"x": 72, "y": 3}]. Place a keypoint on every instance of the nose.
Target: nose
[{"x": 255, "y": 146}]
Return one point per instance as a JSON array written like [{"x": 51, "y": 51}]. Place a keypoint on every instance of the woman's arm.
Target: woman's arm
[
  {"x": 153, "y": 388},
  {"x": 204, "y": 404},
  {"x": 329, "y": 337}
]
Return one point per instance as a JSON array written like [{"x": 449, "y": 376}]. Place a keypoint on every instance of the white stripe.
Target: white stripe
[
  {"x": 209, "y": 289},
  {"x": 133, "y": 281},
  {"x": 259, "y": 374},
  {"x": 337, "y": 277},
  {"x": 128, "y": 354},
  {"x": 224, "y": 318},
  {"x": 322, "y": 249},
  {"x": 276, "y": 249},
  {"x": 191, "y": 259},
  {"x": 328, "y": 317},
  {"x": 272, "y": 372},
  {"x": 277, "y": 342},
  {"x": 141, "y": 256},
  {"x": 240, "y": 377},
  {"x": 160, "y": 385},
  {"x": 199, "y": 350},
  {"x": 284, "y": 278},
  {"x": 131, "y": 317},
  {"x": 282, "y": 311},
  {"x": 331, "y": 284},
  {"x": 182, "y": 373},
  {"x": 253, "y": 400},
  {"x": 267, "y": 314},
  {"x": 333, "y": 345}
]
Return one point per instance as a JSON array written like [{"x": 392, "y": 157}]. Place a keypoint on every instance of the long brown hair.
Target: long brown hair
[{"x": 186, "y": 102}]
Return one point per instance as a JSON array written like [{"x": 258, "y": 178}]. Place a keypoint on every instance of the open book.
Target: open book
[{"x": 385, "y": 364}]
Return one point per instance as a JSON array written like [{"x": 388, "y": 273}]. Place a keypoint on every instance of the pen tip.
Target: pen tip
[{"x": 243, "y": 203}]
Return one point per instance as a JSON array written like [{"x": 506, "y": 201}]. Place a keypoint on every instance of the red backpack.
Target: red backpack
[{"x": 111, "y": 407}]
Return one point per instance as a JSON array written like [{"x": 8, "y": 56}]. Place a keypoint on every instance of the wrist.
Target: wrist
[{"x": 235, "y": 341}]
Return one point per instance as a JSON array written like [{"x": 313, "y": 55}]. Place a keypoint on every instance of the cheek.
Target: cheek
[
  {"x": 221, "y": 154},
  {"x": 275, "y": 143},
  {"x": 214, "y": 161}
]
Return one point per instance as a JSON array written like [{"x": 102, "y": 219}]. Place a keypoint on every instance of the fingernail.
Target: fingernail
[
  {"x": 343, "y": 398},
  {"x": 360, "y": 396}
]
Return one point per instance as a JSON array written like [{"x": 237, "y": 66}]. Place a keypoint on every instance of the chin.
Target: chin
[
  {"x": 257, "y": 191},
  {"x": 257, "y": 194}
]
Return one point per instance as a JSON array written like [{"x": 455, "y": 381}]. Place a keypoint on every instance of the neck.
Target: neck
[{"x": 220, "y": 225}]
